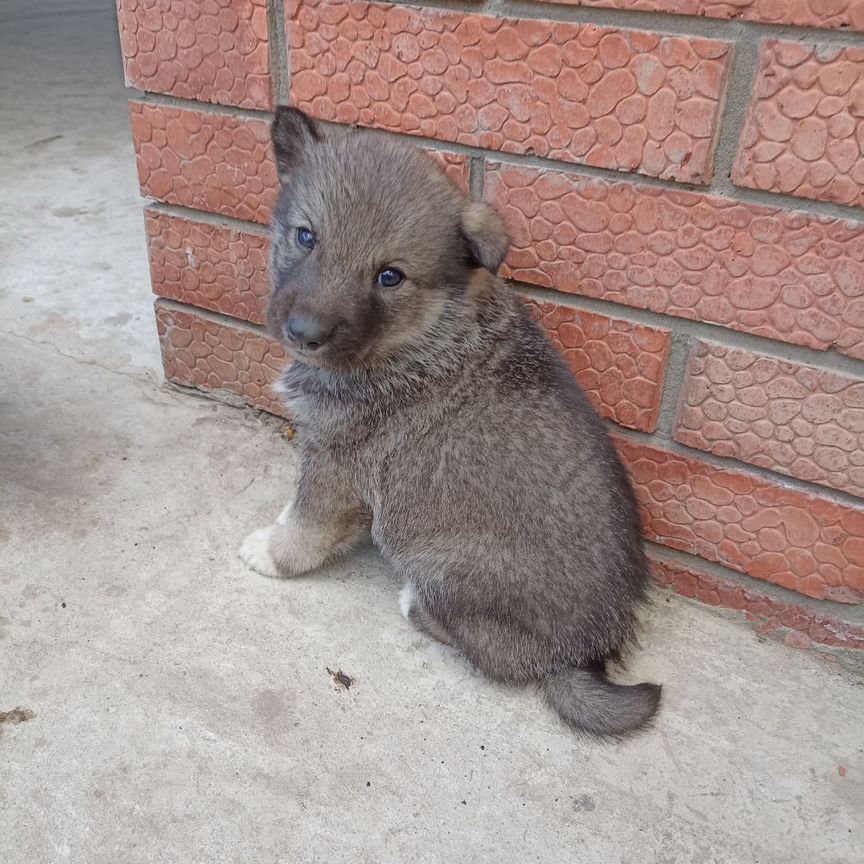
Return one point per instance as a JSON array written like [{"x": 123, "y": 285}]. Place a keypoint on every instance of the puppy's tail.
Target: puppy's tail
[{"x": 590, "y": 703}]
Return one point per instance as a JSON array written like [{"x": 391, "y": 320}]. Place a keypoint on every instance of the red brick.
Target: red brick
[
  {"x": 804, "y": 133},
  {"x": 213, "y": 162},
  {"x": 220, "y": 163},
  {"x": 775, "y": 273},
  {"x": 626, "y": 100},
  {"x": 621, "y": 365},
  {"x": 834, "y": 14},
  {"x": 209, "y": 266},
  {"x": 797, "y": 420},
  {"x": 197, "y": 49},
  {"x": 215, "y": 356},
  {"x": 752, "y": 525},
  {"x": 770, "y": 615}
]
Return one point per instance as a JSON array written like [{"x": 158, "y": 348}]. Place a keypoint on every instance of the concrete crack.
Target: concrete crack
[{"x": 141, "y": 375}]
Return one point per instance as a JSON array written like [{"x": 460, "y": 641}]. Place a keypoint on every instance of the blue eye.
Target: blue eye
[
  {"x": 305, "y": 238},
  {"x": 390, "y": 278}
]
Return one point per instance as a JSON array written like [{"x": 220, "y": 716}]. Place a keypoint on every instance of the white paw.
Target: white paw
[
  {"x": 256, "y": 553},
  {"x": 282, "y": 518},
  {"x": 406, "y": 599}
]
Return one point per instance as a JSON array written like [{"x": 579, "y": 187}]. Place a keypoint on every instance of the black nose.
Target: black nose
[{"x": 308, "y": 333}]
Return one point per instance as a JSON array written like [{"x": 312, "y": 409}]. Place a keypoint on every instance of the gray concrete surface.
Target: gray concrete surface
[
  {"x": 182, "y": 708},
  {"x": 72, "y": 248}
]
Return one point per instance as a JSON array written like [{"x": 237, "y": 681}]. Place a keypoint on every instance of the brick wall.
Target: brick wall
[{"x": 684, "y": 193}]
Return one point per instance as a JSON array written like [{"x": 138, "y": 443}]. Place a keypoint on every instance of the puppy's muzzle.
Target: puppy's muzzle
[{"x": 308, "y": 333}]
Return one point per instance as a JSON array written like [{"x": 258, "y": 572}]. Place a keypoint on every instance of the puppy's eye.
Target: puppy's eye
[
  {"x": 305, "y": 238},
  {"x": 390, "y": 278}
]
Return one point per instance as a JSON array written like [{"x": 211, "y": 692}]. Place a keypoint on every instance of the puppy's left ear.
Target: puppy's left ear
[
  {"x": 485, "y": 234},
  {"x": 293, "y": 134}
]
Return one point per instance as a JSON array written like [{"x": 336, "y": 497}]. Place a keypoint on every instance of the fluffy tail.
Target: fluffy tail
[{"x": 590, "y": 703}]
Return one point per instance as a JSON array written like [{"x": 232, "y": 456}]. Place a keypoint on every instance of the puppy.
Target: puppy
[{"x": 432, "y": 409}]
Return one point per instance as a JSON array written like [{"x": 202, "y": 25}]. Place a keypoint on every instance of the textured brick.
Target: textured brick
[
  {"x": 209, "y": 266},
  {"x": 209, "y": 355},
  {"x": 804, "y": 13},
  {"x": 799, "y": 625},
  {"x": 798, "y": 420},
  {"x": 804, "y": 133},
  {"x": 805, "y": 543},
  {"x": 784, "y": 275},
  {"x": 626, "y": 100},
  {"x": 220, "y": 163},
  {"x": 198, "y": 49},
  {"x": 212, "y": 162},
  {"x": 621, "y": 365}
]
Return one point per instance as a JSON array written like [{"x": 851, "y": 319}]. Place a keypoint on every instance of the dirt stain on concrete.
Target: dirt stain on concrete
[{"x": 16, "y": 715}]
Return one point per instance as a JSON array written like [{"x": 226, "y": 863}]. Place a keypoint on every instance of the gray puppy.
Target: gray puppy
[{"x": 434, "y": 411}]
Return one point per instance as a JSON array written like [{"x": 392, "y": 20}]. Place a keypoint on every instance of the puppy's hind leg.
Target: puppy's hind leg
[
  {"x": 413, "y": 609},
  {"x": 407, "y": 600}
]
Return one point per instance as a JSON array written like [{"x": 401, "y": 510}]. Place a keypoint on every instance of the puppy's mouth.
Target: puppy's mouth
[{"x": 330, "y": 356}]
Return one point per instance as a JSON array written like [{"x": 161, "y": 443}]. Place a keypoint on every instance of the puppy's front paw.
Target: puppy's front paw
[
  {"x": 406, "y": 600},
  {"x": 255, "y": 552}
]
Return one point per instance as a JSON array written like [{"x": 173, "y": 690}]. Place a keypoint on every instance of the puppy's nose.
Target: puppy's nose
[{"x": 307, "y": 333}]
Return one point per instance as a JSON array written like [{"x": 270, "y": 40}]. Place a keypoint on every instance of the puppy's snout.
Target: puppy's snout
[{"x": 308, "y": 333}]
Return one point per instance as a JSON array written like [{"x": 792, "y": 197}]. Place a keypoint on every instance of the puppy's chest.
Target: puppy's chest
[
  {"x": 380, "y": 450},
  {"x": 382, "y": 444}
]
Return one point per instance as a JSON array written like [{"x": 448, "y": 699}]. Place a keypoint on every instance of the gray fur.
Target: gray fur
[{"x": 439, "y": 413}]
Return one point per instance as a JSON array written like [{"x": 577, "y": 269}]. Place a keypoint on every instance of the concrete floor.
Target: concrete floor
[{"x": 182, "y": 708}]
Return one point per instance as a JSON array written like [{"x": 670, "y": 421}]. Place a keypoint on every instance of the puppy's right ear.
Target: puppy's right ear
[{"x": 293, "y": 134}]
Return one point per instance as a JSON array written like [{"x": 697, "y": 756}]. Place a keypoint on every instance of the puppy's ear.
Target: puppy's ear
[
  {"x": 485, "y": 234},
  {"x": 293, "y": 134}
]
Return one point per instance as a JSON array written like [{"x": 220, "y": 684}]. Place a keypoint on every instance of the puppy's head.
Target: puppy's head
[{"x": 370, "y": 243}]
